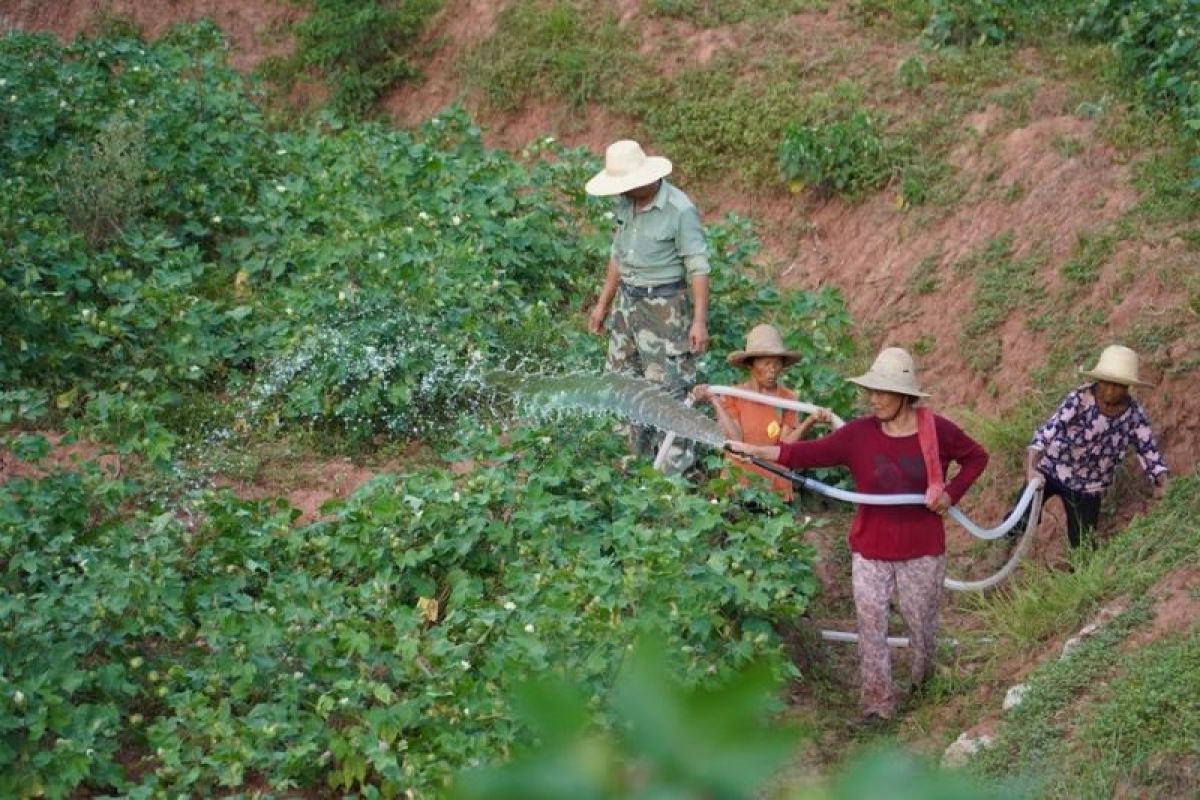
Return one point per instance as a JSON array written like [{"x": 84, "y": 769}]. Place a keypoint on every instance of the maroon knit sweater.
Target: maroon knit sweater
[{"x": 882, "y": 464}]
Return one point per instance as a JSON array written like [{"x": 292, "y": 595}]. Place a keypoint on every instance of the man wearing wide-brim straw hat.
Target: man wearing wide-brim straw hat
[
  {"x": 658, "y": 249},
  {"x": 902, "y": 447},
  {"x": 1077, "y": 450},
  {"x": 765, "y": 358}
]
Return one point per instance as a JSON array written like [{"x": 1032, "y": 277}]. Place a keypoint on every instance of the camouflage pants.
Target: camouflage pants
[
  {"x": 917, "y": 583},
  {"x": 649, "y": 339}
]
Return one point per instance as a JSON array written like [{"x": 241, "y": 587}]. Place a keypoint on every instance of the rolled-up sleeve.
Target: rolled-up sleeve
[{"x": 691, "y": 243}]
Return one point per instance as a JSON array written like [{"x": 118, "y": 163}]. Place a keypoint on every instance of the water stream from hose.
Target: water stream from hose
[{"x": 636, "y": 400}]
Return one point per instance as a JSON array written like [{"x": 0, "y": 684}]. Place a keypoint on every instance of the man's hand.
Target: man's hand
[
  {"x": 597, "y": 318},
  {"x": 698, "y": 337},
  {"x": 701, "y": 394}
]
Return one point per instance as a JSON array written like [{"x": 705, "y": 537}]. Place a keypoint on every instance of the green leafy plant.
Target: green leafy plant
[
  {"x": 362, "y": 47},
  {"x": 101, "y": 187},
  {"x": 846, "y": 157},
  {"x": 1159, "y": 43}
]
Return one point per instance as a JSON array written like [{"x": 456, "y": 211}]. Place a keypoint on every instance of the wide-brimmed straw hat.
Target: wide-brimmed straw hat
[
  {"x": 893, "y": 371},
  {"x": 763, "y": 341},
  {"x": 626, "y": 166},
  {"x": 1117, "y": 364}
]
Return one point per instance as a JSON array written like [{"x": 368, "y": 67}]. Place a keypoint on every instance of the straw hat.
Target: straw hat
[
  {"x": 626, "y": 166},
  {"x": 1117, "y": 364},
  {"x": 763, "y": 341},
  {"x": 893, "y": 371}
]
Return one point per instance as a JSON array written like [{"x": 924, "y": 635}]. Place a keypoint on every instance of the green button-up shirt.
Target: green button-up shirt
[{"x": 662, "y": 243}]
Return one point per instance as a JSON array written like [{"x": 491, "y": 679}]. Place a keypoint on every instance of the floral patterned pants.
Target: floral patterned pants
[{"x": 917, "y": 583}]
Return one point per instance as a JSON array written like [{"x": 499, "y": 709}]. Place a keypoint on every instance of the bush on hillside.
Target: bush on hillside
[
  {"x": 1159, "y": 44},
  {"x": 847, "y": 157}
]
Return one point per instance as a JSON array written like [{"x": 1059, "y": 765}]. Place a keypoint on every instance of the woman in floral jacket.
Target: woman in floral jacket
[{"x": 1077, "y": 450}]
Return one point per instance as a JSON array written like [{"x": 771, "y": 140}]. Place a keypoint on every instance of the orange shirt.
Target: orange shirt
[{"x": 762, "y": 424}]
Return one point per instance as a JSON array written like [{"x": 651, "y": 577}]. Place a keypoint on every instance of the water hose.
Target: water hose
[{"x": 1031, "y": 500}]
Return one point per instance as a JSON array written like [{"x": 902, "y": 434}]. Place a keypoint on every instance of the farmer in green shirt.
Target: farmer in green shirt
[{"x": 658, "y": 249}]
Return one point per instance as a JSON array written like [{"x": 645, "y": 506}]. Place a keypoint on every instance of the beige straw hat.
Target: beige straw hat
[
  {"x": 893, "y": 371},
  {"x": 626, "y": 166},
  {"x": 763, "y": 341},
  {"x": 1117, "y": 364}
]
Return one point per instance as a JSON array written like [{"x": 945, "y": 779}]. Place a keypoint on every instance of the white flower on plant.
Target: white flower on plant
[
  {"x": 466, "y": 665},
  {"x": 3, "y": 82},
  {"x": 19, "y": 697},
  {"x": 131, "y": 102},
  {"x": 12, "y": 98},
  {"x": 423, "y": 216},
  {"x": 216, "y": 220},
  {"x": 608, "y": 215},
  {"x": 281, "y": 152},
  {"x": 279, "y": 187},
  {"x": 529, "y": 627},
  {"x": 62, "y": 103},
  {"x": 509, "y": 605},
  {"x": 456, "y": 220}
]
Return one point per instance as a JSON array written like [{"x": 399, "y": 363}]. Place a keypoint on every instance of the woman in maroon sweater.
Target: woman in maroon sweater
[{"x": 895, "y": 548}]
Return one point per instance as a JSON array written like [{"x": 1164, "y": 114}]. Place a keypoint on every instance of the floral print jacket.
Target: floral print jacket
[{"x": 1082, "y": 447}]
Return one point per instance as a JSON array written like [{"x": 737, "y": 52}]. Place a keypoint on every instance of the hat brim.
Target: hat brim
[
  {"x": 604, "y": 185},
  {"x": 738, "y": 358},
  {"x": 882, "y": 384},
  {"x": 1097, "y": 375}
]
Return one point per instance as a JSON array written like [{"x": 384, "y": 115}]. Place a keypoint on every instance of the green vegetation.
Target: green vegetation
[
  {"x": 354, "y": 284},
  {"x": 1003, "y": 283},
  {"x": 361, "y": 48},
  {"x": 846, "y": 157},
  {"x": 711, "y": 13},
  {"x": 1159, "y": 44},
  {"x": 712, "y": 122},
  {"x": 1111, "y": 713},
  {"x": 551, "y": 51}
]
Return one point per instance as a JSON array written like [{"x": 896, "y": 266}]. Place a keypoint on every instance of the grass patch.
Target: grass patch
[
  {"x": 551, "y": 51},
  {"x": 1144, "y": 734},
  {"x": 715, "y": 124},
  {"x": 1092, "y": 251},
  {"x": 1033, "y": 739},
  {"x": 925, "y": 278},
  {"x": 1039, "y": 603},
  {"x": 1003, "y": 283},
  {"x": 711, "y": 13}
]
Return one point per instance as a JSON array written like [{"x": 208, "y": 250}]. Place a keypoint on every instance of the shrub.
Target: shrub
[
  {"x": 1159, "y": 44},
  {"x": 362, "y": 46},
  {"x": 101, "y": 186},
  {"x": 847, "y": 157}
]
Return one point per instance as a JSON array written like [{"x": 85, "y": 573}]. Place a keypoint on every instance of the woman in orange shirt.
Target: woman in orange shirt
[{"x": 766, "y": 358}]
